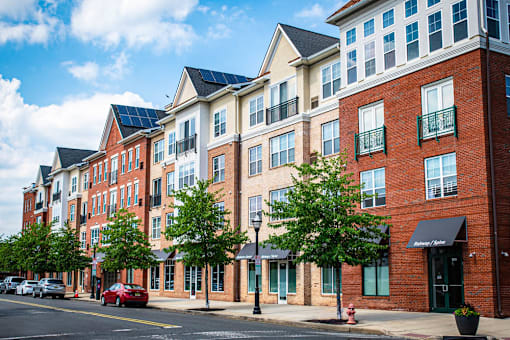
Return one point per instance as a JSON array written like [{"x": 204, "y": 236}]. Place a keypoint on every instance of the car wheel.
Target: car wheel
[
  {"x": 103, "y": 302},
  {"x": 41, "y": 295},
  {"x": 117, "y": 302}
]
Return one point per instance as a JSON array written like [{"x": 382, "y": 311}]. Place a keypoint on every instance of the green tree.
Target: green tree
[
  {"x": 10, "y": 259},
  {"x": 201, "y": 231},
  {"x": 128, "y": 247},
  {"x": 34, "y": 246},
  {"x": 322, "y": 220}
]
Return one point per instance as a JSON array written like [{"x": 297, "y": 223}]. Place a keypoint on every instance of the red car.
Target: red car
[{"x": 125, "y": 293}]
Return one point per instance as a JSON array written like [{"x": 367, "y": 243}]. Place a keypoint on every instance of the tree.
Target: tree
[
  {"x": 322, "y": 222},
  {"x": 9, "y": 257},
  {"x": 128, "y": 247},
  {"x": 200, "y": 230},
  {"x": 34, "y": 246}
]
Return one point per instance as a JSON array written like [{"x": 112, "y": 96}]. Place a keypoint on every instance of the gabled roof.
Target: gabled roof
[
  {"x": 127, "y": 129},
  {"x": 69, "y": 156},
  {"x": 307, "y": 42},
  {"x": 205, "y": 88},
  {"x": 45, "y": 171}
]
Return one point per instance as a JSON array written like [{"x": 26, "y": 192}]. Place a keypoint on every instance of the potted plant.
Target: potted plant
[{"x": 467, "y": 320}]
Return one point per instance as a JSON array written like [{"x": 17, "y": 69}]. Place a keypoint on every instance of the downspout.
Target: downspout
[
  {"x": 499, "y": 312},
  {"x": 237, "y": 293}
]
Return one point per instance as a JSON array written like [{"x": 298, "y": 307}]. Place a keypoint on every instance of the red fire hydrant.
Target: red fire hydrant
[{"x": 350, "y": 313}]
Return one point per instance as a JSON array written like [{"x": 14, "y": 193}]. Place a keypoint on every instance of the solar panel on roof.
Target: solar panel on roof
[
  {"x": 122, "y": 109},
  {"x": 219, "y": 77},
  {"x": 241, "y": 79},
  {"x": 207, "y": 75},
  {"x": 145, "y": 122},
  {"x": 139, "y": 117},
  {"x": 231, "y": 79},
  {"x": 125, "y": 120}
]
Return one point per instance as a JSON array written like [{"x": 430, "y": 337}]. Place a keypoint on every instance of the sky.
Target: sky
[{"x": 63, "y": 62}]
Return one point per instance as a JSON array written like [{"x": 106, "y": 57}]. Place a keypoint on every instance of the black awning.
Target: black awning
[
  {"x": 266, "y": 253},
  {"x": 161, "y": 255},
  {"x": 437, "y": 233}
]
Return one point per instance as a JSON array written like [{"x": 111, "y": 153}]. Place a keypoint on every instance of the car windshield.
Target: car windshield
[
  {"x": 133, "y": 287},
  {"x": 32, "y": 282},
  {"x": 55, "y": 281},
  {"x": 17, "y": 279}
]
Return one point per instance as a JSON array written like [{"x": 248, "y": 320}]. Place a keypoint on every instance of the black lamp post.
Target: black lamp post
[
  {"x": 257, "y": 221},
  {"x": 92, "y": 277}
]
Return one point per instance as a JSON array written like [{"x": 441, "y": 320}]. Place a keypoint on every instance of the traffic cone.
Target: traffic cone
[{"x": 76, "y": 293}]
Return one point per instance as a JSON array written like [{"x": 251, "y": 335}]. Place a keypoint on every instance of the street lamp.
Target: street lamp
[
  {"x": 92, "y": 275},
  {"x": 257, "y": 221}
]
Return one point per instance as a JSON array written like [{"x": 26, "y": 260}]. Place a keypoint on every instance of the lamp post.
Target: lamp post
[
  {"x": 92, "y": 274},
  {"x": 257, "y": 221}
]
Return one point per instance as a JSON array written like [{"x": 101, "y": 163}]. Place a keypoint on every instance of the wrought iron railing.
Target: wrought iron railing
[
  {"x": 370, "y": 141},
  {"x": 155, "y": 201},
  {"x": 56, "y": 196},
  {"x": 435, "y": 124},
  {"x": 187, "y": 144},
  {"x": 39, "y": 205},
  {"x": 282, "y": 111}
]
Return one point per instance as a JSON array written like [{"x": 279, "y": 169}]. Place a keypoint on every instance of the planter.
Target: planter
[{"x": 467, "y": 325}]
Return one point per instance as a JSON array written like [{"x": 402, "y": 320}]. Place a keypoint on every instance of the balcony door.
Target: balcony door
[
  {"x": 371, "y": 121},
  {"x": 187, "y": 128},
  {"x": 437, "y": 100}
]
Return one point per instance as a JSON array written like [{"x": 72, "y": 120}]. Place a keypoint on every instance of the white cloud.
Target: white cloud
[
  {"x": 90, "y": 71},
  {"x": 87, "y": 72},
  {"x": 203, "y": 9},
  {"x": 218, "y": 31},
  {"x": 316, "y": 11},
  {"x": 30, "y": 134},
  {"x": 118, "y": 68},
  {"x": 152, "y": 22},
  {"x": 16, "y": 9}
]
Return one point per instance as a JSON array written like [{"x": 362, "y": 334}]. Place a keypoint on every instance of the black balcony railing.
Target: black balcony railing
[
  {"x": 437, "y": 123},
  {"x": 113, "y": 177},
  {"x": 282, "y": 111},
  {"x": 39, "y": 205},
  {"x": 155, "y": 201},
  {"x": 111, "y": 210},
  {"x": 56, "y": 196},
  {"x": 370, "y": 141},
  {"x": 187, "y": 144},
  {"x": 83, "y": 219}
]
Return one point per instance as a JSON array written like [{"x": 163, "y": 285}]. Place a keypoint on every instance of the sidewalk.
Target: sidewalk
[{"x": 410, "y": 325}]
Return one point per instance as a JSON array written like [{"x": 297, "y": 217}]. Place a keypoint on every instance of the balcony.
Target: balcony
[
  {"x": 56, "y": 196},
  {"x": 282, "y": 111},
  {"x": 187, "y": 144},
  {"x": 436, "y": 124},
  {"x": 111, "y": 210},
  {"x": 83, "y": 219},
  {"x": 369, "y": 142},
  {"x": 113, "y": 177},
  {"x": 155, "y": 201},
  {"x": 39, "y": 205}
]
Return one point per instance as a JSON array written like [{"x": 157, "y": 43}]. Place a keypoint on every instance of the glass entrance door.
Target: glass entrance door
[
  {"x": 193, "y": 281},
  {"x": 446, "y": 279},
  {"x": 282, "y": 282}
]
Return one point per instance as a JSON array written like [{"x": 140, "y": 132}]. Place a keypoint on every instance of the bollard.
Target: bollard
[{"x": 350, "y": 312}]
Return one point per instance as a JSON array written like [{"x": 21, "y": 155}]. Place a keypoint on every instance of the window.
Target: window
[
  {"x": 350, "y": 36},
  {"x": 135, "y": 201},
  {"x": 273, "y": 277},
  {"x": 388, "y": 18},
  {"x": 282, "y": 149},
  {"x": 187, "y": 175},
  {"x": 169, "y": 274},
  {"x": 169, "y": 219},
  {"x": 105, "y": 239},
  {"x": 187, "y": 278},
  {"x": 94, "y": 176},
  {"x": 128, "y": 201},
  {"x": 291, "y": 284},
  {"x": 159, "y": 146},
  {"x": 113, "y": 174},
  {"x": 83, "y": 240},
  {"x": 72, "y": 212},
  {"x": 413, "y": 47},
  {"x": 460, "y": 26},
  {"x": 369, "y": 27},
  {"x": 279, "y": 196},
  {"x": 370, "y": 59},
  {"x": 507, "y": 81},
  {"x": 98, "y": 204},
  {"x": 93, "y": 206},
  {"x": 221, "y": 207},
  {"x": 104, "y": 202},
  {"x": 329, "y": 275},
  {"x": 156, "y": 227},
  {"x": 130, "y": 160},
  {"x": 330, "y": 138},
  {"x": 94, "y": 236},
  {"x": 441, "y": 176},
  {"x": 389, "y": 50},
  {"x": 137, "y": 157},
  {"x": 256, "y": 110},
  {"x": 255, "y": 160},
  {"x": 330, "y": 79},
  {"x": 156, "y": 192},
  {"x": 105, "y": 170},
  {"x": 155, "y": 277},
  {"x": 121, "y": 205},
  {"x": 255, "y": 207},
  {"x": 435, "y": 32},
  {"x": 251, "y": 278},
  {"x": 376, "y": 277},
  {"x": 352, "y": 73},
  {"x": 373, "y": 182},
  {"x": 171, "y": 143},
  {"x": 218, "y": 169},
  {"x": 100, "y": 173},
  {"x": 69, "y": 278},
  {"x": 220, "y": 123},
  {"x": 122, "y": 163},
  {"x": 170, "y": 183},
  {"x": 217, "y": 275},
  {"x": 130, "y": 275},
  {"x": 411, "y": 7},
  {"x": 74, "y": 184},
  {"x": 85, "y": 182},
  {"x": 436, "y": 119},
  {"x": 371, "y": 120}
]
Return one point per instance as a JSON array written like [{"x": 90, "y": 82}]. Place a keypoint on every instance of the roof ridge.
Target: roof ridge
[
  {"x": 309, "y": 31},
  {"x": 206, "y": 69}
]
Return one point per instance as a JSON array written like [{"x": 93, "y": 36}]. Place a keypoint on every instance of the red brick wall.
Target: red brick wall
[{"x": 28, "y": 208}]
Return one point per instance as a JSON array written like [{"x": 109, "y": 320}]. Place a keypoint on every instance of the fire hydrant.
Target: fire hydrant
[{"x": 350, "y": 313}]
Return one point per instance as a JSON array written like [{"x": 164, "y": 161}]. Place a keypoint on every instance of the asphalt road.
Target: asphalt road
[{"x": 23, "y": 317}]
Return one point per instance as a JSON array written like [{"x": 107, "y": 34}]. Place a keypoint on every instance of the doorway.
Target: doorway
[
  {"x": 282, "y": 282},
  {"x": 446, "y": 279},
  {"x": 193, "y": 281}
]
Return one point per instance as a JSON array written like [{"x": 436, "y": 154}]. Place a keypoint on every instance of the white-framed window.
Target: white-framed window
[
  {"x": 371, "y": 120},
  {"x": 436, "y": 100},
  {"x": 156, "y": 228},
  {"x": 93, "y": 205},
  {"x": 369, "y": 27},
  {"x": 350, "y": 36},
  {"x": 218, "y": 168},
  {"x": 113, "y": 174},
  {"x": 130, "y": 275},
  {"x": 169, "y": 219},
  {"x": 130, "y": 160},
  {"x": 282, "y": 149},
  {"x": 217, "y": 277},
  {"x": 187, "y": 278},
  {"x": 411, "y": 8},
  {"x": 257, "y": 110},
  {"x": 74, "y": 184},
  {"x": 352, "y": 70},
  {"x": 123, "y": 163},
  {"x": 255, "y": 160},
  {"x": 388, "y": 18},
  {"x": 100, "y": 173},
  {"x": 431, "y": 3},
  {"x": 328, "y": 280},
  {"x": 128, "y": 192},
  {"x": 255, "y": 207},
  {"x": 104, "y": 238},
  {"x": 435, "y": 31},
  {"x": 171, "y": 143},
  {"x": 72, "y": 212},
  {"x": 98, "y": 204},
  {"x": 154, "y": 277},
  {"x": 135, "y": 189},
  {"x": 105, "y": 170},
  {"x": 221, "y": 206},
  {"x": 83, "y": 240},
  {"x": 170, "y": 183},
  {"x": 412, "y": 42},
  {"x": 389, "y": 50},
  {"x": 169, "y": 275},
  {"x": 94, "y": 175},
  {"x": 441, "y": 176},
  {"x": 187, "y": 175},
  {"x": 94, "y": 236},
  {"x": 459, "y": 19},
  {"x": 330, "y": 138},
  {"x": 330, "y": 79},
  {"x": 370, "y": 59},
  {"x": 251, "y": 278},
  {"x": 38, "y": 219},
  {"x": 121, "y": 201},
  {"x": 279, "y": 195},
  {"x": 137, "y": 156},
  {"x": 507, "y": 88},
  {"x": 373, "y": 183},
  {"x": 159, "y": 148},
  {"x": 85, "y": 181},
  {"x": 220, "y": 123},
  {"x": 104, "y": 203}
]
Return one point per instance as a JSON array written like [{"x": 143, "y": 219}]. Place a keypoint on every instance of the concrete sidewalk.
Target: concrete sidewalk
[{"x": 410, "y": 325}]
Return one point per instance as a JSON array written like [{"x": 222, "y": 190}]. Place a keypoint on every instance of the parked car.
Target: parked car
[
  {"x": 124, "y": 294},
  {"x": 49, "y": 287},
  {"x": 10, "y": 283},
  {"x": 26, "y": 287}
]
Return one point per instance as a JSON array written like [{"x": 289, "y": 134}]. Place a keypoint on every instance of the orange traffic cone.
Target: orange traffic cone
[{"x": 76, "y": 293}]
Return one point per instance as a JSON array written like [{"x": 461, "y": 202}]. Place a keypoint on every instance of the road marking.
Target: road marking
[{"x": 145, "y": 322}]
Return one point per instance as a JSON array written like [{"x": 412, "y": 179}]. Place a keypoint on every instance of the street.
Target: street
[{"x": 22, "y": 317}]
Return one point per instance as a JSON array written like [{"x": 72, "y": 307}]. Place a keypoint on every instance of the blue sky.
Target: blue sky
[{"x": 63, "y": 62}]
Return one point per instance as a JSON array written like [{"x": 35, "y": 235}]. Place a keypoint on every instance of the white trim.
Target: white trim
[
  {"x": 330, "y": 64},
  {"x": 219, "y": 111},
  {"x": 224, "y": 140}
]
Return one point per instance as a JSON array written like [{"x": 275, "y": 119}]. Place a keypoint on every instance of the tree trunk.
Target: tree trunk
[
  {"x": 339, "y": 308},
  {"x": 75, "y": 281},
  {"x": 206, "y": 286}
]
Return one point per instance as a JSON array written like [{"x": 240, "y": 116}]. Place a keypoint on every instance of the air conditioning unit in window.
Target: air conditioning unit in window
[{"x": 314, "y": 102}]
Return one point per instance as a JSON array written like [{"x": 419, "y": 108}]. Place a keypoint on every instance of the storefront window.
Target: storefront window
[
  {"x": 376, "y": 277},
  {"x": 273, "y": 277},
  {"x": 329, "y": 280},
  {"x": 292, "y": 277},
  {"x": 251, "y": 278}
]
